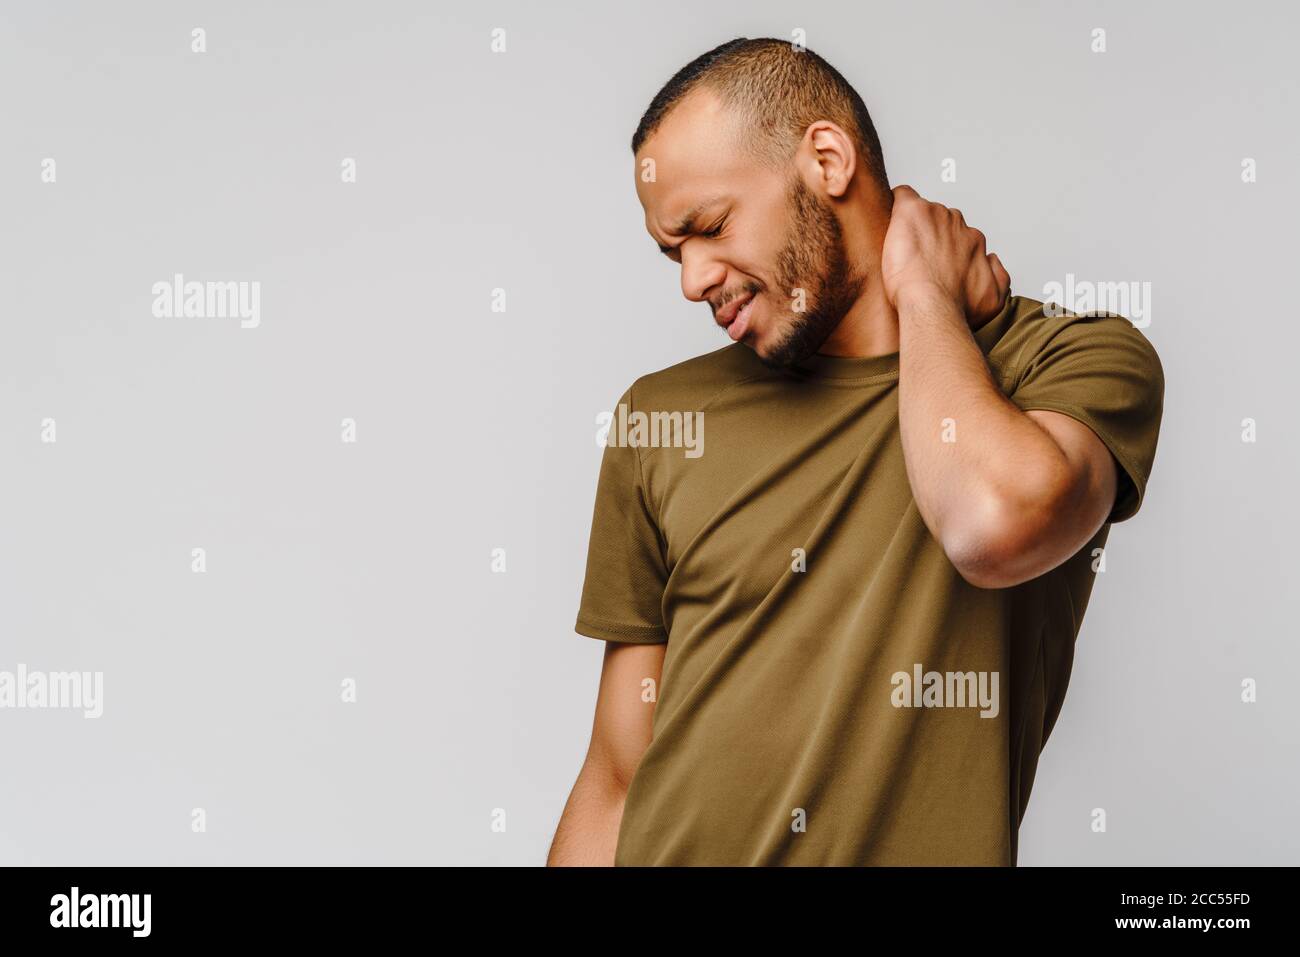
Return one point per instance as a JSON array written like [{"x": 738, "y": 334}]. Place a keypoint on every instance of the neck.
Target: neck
[{"x": 870, "y": 327}]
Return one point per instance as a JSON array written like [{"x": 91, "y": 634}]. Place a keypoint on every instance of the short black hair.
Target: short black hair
[{"x": 780, "y": 90}]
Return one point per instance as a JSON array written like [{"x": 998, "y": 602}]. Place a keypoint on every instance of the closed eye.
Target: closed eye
[{"x": 713, "y": 233}]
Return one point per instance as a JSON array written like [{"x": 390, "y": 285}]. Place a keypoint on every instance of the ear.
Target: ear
[{"x": 828, "y": 158}]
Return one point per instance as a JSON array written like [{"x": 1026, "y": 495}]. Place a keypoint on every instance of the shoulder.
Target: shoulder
[{"x": 1029, "y": 333}]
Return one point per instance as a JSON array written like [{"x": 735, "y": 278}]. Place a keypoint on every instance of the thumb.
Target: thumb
[{"x": 1000, "y": 274}]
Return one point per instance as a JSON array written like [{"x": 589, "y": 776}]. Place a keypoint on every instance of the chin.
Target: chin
[
  {"x": 761, "y": 344},
  {"x": 775, "y": 358},
  {"x": 772, "y": 348}
]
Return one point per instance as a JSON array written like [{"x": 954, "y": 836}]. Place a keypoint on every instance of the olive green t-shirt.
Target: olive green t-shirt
[{"x": 833, "y": 691}]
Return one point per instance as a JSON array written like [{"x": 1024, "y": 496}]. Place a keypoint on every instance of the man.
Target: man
[{"x": 843, "y": 633}]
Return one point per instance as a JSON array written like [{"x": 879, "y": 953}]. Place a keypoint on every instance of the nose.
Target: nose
[{"x": 700, "y": 274}]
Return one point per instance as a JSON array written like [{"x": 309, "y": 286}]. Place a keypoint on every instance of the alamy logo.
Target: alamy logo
[
  {"x": 179, "y": 299},
  {"x": 82, "y": 690},
  {"x": 1132, "y": 300},
  {"x": 946, "y": 689},
  {"x": 102, "y": 910},
  {"x": 678, "y": 430}
]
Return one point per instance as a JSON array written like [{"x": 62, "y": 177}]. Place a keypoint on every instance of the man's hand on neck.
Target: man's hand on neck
[{"x": 929, "y": 251}]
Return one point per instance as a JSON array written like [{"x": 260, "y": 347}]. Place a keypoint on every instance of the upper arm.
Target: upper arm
[
  {"x": 1069, "y": 504},
  {"x": 1104, "y": 381},
  {"x": 1095, "y": 385},
  {"x": 622, "y": 592},
  {"x": 1093, "y": 481},
  {"x": 622, "y": 598},
  {"x": 625, "y": 706}
]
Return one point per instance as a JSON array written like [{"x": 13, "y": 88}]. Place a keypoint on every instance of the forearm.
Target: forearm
[
  {"x": 588, "y": 830},
  {"x": 980, "y": 469}
]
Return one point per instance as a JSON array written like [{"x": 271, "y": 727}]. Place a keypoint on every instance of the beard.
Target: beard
[{"x": 813, "y": 259}]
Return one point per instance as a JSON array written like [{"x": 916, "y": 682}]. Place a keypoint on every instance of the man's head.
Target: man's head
[{"x": 748, "y": 162}]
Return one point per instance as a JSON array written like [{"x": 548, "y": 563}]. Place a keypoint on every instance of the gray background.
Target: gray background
[{"x": 476, "y": 429}]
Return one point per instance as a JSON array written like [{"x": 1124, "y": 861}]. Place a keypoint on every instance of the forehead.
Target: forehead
[{"x": 694, "y": 158}]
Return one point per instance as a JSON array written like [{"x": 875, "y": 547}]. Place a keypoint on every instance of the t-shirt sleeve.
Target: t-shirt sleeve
[
  {"x": 1102, "y": 371},
  {"x": 622, "y": 593}
]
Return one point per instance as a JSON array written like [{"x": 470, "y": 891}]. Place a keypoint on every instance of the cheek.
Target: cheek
[{"x": 756, "y": 263}]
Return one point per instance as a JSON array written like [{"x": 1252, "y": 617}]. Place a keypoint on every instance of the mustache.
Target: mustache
[{"x": 749, "y": 289}]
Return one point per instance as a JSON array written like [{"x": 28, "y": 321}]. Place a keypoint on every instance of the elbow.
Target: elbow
[
  {"x": 981, "y": 561},
  {"x": 999, "y": 543},
  {"x": 981, "y": 557}
]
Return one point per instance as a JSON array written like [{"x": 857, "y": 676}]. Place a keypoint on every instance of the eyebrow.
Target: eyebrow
[{"x": 686, "y": 224}]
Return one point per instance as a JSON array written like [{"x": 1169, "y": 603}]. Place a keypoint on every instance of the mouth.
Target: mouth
[{"x": 734, "y": 317}]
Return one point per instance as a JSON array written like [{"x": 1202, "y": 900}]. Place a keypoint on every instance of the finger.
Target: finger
[
  {"x": 983, "y": 295},
  {"x": 901, "y": 200},
  {"x": 1000, "y": 272}
]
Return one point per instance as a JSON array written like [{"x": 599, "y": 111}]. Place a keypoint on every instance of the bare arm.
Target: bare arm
[
  {"x": 1009, "y": 494},
  {"x": 588, "y": 828}
]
